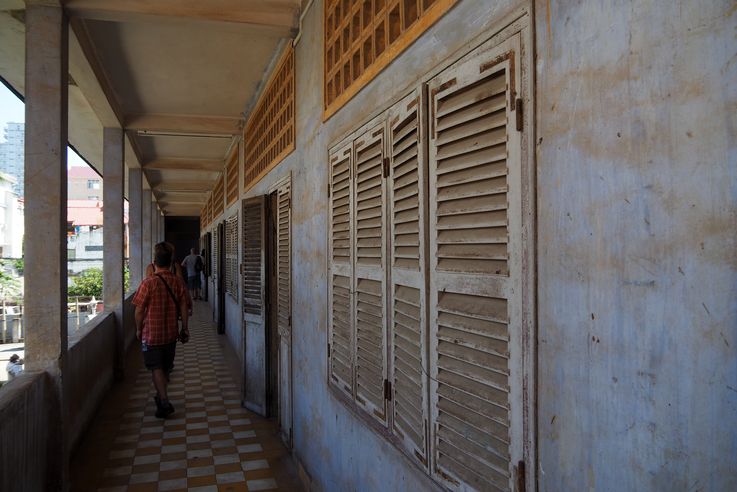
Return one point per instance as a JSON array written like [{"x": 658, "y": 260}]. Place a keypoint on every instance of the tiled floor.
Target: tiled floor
[{"x": 209, "y": 444}]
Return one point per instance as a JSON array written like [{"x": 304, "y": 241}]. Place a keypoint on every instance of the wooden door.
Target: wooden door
[{"x": 254, "y": 311}]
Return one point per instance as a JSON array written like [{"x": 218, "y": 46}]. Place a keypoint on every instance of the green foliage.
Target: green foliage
[
  {"x": 126, "y": 278},
  {"x": 9, "y": 283},
  {"x": 87, "y": 284},
  {"x": 19, "y": 265}
]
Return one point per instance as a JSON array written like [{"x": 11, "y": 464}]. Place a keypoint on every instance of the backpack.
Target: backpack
[{"x": 198, "y": 264}]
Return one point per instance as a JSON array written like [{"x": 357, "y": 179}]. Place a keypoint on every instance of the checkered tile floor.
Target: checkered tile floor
[{"x": 210, "y": 443}]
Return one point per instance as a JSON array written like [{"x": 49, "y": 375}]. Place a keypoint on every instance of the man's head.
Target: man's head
[
  {"x": 193, "y": 251},
  {"x": 14, "y": 358},
  {"x": 162, "y": 255}
]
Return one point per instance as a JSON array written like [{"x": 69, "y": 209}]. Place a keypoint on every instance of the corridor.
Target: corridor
[{"x": 210, "y": 443}]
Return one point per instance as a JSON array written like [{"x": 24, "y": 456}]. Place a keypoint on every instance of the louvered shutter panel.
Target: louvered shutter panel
[
  {"x": 340, "y": 260},
  {"x": 475, "y": 305},
  {"x": 408, "y": 324},
  {"x": 369, "y": 225},
  {"x": 254, "y": 232},
  {"x": 284, "y": 308}
]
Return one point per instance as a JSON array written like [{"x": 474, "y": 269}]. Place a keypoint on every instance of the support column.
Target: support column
[
  {"x": 45, "y": 316},
  {"x": 113, "y": 237},
  {"x": 135, "y": 226},
  {"x": 146, "y": 221}
]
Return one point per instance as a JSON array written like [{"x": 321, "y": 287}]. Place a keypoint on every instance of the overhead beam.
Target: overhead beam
[
  {"x": 183, "y": 125},
  {"x": 281, "y": 14},
  {"x": 210, "y": 165},
  {"x": 183, "y": 186}
]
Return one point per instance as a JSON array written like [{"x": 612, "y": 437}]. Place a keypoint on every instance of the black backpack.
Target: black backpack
[{"x": 198, "y": 264}]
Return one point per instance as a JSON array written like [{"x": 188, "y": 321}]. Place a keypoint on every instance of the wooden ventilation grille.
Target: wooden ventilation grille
[
  {"x": 269, "y": 134},
  {"x": 340, "y": 184},
  {"x": 253, "y": 218},
  {"x": 364, "y": 36},
  {"x": 218, "y": 197},
  {"x": 203, "y": 216},
  {"x": 231, "y": 256},
  {"x": 231, "y": 172}
]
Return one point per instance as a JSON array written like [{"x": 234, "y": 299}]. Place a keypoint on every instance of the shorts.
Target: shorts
[
  {"x": 159, "y": 356},
  {"x": 193, "y": 282}
]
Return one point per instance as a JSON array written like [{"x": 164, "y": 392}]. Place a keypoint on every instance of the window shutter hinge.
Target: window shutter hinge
[
  {"x": 328, "y": 190},
  {"x": 518, "y": 113},
  {"x": 521, "y": 479},
  {"x": 386, "y": 167},
  {"x": 328, "y": 351},
  {"x": 387, "y": 390},
  {"x": 289, "y": 321}
]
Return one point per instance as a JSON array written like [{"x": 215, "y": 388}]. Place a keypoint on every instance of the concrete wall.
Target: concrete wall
[
  {"x": 89, "y": 372},
  {"x": 25, "y": 404},
  {"x": 637, "y": 200},
  {"x": 338, "y": 451}
]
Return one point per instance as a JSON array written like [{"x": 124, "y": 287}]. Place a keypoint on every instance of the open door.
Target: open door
[
  {"x": 282, "y": 316},
  {"x": 254, "y": 309},
  {"x": 220, "y": 285}
]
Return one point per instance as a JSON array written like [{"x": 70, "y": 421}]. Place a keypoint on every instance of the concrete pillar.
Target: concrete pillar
[
  {"x": 135, "y": 226},
  {"x": 146, "y": 221},
  {"x": 113, "y": 237},
  {"x": 45, "y": 316}
]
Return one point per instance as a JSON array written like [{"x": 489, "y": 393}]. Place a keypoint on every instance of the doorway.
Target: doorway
[
  {"x": 267, "y": 316},
  {"x": 220, "y": 279}
]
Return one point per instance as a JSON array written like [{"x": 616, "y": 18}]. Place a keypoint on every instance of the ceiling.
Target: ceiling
[{"x": 179, "y": 76}]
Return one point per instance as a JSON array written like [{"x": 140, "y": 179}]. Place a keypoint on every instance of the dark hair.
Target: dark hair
[{"x": 162, "y": 255}]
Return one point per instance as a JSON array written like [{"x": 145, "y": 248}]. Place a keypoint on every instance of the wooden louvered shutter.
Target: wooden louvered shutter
[
  {"x": 369, "y": 224},
  {"x": 254, "y": 276},
  {"x": 340, "y": 261},
  {"x": 408, "y": 324},
  {"x": 475, "y": 289},
  {"x": 284, "y": 307}
]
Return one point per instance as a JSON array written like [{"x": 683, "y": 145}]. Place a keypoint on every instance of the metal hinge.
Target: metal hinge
[
  {"x": 519, "y": 113},
  {"x": 328, "y": 190},
  {"x": 386, "y": 167},
  {"x": 521, "y": 479},
  {"x": 328, "y": 351},
  {"x": 289, "y": 321},
  {"x": 387, "y": 390}
]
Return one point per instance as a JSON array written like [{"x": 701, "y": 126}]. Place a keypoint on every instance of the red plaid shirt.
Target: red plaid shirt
[{"x": 160, "y": 324}]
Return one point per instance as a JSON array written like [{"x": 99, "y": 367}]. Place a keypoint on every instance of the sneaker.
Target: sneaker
[{"x": 164, "y": 408}]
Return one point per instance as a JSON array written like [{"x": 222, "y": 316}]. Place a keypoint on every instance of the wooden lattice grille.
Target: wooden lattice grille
[
  {"x": 231, "y": 176},
  {"x": 269, "y": 133},
  {"x": 364, "y": 36},
  {"x": 218, "y": 204},
  {"x": 231, "y": 256}
]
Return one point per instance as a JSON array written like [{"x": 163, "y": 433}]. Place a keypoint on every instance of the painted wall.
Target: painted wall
[
  {"x": 337, "y": 450},
  {"x": 637, "y": 200},
  {"x": 636, "y": 197}
]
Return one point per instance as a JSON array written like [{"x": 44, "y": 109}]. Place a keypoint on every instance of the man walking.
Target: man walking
[
  {"x": 193, "y": 264},
  {"x": 160, "y": 301}
]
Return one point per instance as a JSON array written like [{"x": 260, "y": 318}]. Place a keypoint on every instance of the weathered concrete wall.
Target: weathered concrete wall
[
  {"x": 25, "y": 404},
  {"x": 637, "y": 200},
  {"x": 129, "y": 313},
  {"x": 89, "y": 372},
  {"x": 338, "y": 451}
]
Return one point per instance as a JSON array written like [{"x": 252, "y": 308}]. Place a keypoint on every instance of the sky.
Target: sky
[{"x": 13, "y": 110}]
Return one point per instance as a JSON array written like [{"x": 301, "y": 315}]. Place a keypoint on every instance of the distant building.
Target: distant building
[
  {"x": 11, "y": 218},
  {"x": 11, "y": 154},
  {"x": 84, "y": 236},
  {"x": 83, "y": 183}
]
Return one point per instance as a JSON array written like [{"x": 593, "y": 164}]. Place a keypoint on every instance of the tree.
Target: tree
[{"x": 87, "y": 284}]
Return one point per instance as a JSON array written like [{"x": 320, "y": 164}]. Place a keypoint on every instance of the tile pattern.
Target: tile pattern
[{"x": 210, "y": 443}]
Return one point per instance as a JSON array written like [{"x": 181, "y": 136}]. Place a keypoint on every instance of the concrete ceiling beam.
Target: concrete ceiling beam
[
  {"x": 281, "y": 14},
  {"x": 208, "y": 165},
  {"x": 183, "y": 125}
]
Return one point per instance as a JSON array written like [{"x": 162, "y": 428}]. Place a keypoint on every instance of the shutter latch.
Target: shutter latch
[
  {"x": 387, "y": 390},
  {"x": 518, "y": 113},
  {"x": 386, "y": 167}
]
